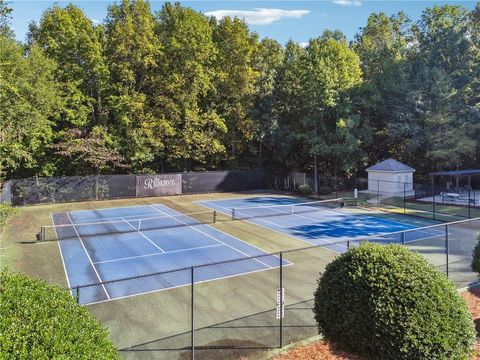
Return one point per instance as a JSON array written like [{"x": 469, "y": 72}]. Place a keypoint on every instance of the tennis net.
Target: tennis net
[
  {"x": 73, "y": 231},
  {"x": 243, "y": 213}
]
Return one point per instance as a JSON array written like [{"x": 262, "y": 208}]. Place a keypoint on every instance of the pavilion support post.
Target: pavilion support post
[{"x": 469, "y": 214}]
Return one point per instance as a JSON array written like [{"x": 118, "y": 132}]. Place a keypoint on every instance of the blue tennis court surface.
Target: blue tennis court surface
[
  {"x": 317, "y": 223},
  {"x": 108, "y": 244}
]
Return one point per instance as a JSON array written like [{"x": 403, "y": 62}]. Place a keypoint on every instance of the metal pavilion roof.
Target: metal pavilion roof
[{"x": 466, "y": 172}]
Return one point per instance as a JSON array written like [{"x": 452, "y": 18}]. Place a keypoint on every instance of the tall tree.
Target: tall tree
[
  {"x": 30, "y": 99},
  {"x": 332, "y": 69},
  {"x": 68, "y": 37},
  {"x": 5, "y": 17},
  {"x": 445, "y": 52},
  {"x": 133, "y": 53},
  {"x": 288, "y": 152},
  {"x": 236, "y": 78},
  {"x": 184, "y": 86},
  {"x": 268, "y": 59},
  {"x": 382, "y": 48}
]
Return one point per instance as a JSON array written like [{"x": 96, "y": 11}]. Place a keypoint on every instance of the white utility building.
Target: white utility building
[{"x": 391, "y": 178}]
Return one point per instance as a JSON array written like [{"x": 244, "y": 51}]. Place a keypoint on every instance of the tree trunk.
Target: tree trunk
[{"x": 315, "y": 167}]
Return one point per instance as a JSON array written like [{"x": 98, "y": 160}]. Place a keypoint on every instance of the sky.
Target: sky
[{"x": 280, "y": 20}]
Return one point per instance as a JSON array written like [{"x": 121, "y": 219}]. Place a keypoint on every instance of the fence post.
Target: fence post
[
  {"x": 192, "y": 314},
  {"x": 446, "y": 246},
  {"x": 96, "y": 187},
  {"x": 77, "y": 295},
  {"x": 404, "y": 198},
  {"x": 403, "y": 238},
  {"x": 378, "y": 194},
  {"x": 336, "y": 187},
  {"x": 281, "y": 300},
  {"x": 348, "y": 244},
  {"x": 433, "y": 198}
]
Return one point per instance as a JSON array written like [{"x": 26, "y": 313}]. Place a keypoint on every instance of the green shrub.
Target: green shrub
[
  {"x": 305, "y": 189},
  {"x": 39, "y": 321},
  {"x": 325, "y": 190},
  {"x": 385, "y": 302},
  {"x": 476, "y": 256},
  {"x": 5, "y": 212}
]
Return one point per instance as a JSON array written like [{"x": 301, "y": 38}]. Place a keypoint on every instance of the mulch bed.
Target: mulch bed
[
  {"x": 226, "y": 349},
  {"x": 323, "y": 351},
  {"x": 317, "y": 351}
]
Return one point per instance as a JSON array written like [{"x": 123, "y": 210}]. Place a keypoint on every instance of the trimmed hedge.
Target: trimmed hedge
[
  {"x": 39, "y": 321},
  {"x": 305, "y": 189},
  {"x": 325, "y": 190},
  {"x": 385, "y": 302},
  {"x": 476, "y": 256}
]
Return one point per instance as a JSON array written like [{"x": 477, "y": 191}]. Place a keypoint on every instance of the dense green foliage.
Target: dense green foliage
[
  {"x": 385, "y": 302},
  {"x": 5, "y": 212},
  {"x": 476, "y": 256},
  {"x": 325, "y": 190},
  {"x": 305, "y": 189},
  {"x": 40, "y": 321},
  {"x": 176, "y": 90}
]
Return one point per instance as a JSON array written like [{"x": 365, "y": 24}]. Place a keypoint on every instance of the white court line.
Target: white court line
[
  {"x": 88, "y": 256},
  {"x": 187, "y": 284},
  {"x": 297, "y": 215},
  {"x": 214, "y": 238},
  {"x": 247, "y": 243},
  {"x": 145, "y": 236},
  {"x": 277, "y": 231},
  {"x": 110, "y": 208},
  {"x": 276, "y": 225},
  {"x": 254, "y": 196},
  {"x": 61, "y": 253},
  {"x": 345, "y": 214},
  {"x": 372, "y": 237},
  {"x": 158, "y": 254},
  {"x": 107, "y": 219},
  {"x": 260, "y": 206}
]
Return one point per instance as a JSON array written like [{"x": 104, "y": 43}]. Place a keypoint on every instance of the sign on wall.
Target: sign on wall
[
  {"x": 280, "y": 313},
  {"x": 158, "y": 185}
]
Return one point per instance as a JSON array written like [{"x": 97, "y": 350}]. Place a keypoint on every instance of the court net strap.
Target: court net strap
[
  {"x": 287, "y": 209},
  {"x": 125, "y": 225}
]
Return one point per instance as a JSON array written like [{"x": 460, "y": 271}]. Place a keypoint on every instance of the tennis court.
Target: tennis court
[
  {"x": 318, "y": 222},
  {"x": 117, "y": 243}
]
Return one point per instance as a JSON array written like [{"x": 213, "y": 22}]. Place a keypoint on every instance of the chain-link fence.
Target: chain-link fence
[
  {"x": 236, "y": 315},
  {"x": 6, "y": 192},
  {"x": 86, "y": 188},
  {"x": 431, "y": 201}
]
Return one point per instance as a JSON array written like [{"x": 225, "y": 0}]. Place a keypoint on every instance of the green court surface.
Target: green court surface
[{"x": 235, "y": 315}]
